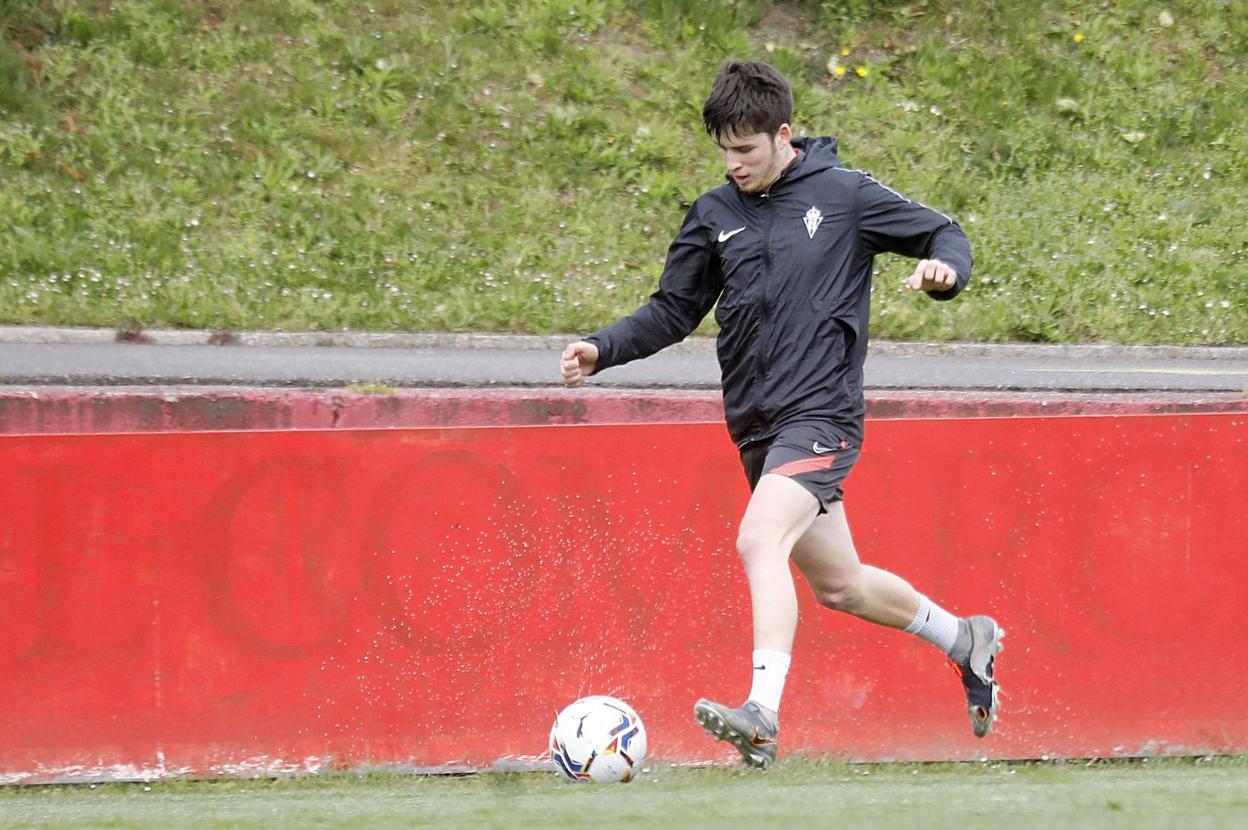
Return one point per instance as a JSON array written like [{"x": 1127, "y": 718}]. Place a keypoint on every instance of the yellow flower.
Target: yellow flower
[
  {"x": 838, "y": 71},
  {"x": 845, "y": 53},
  {"x": 1078, "y": 37},
  {"x": 862, "y": 71}
]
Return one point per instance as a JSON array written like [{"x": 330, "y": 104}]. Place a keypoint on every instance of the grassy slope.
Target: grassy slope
[
  {"x": 521, "y": 165},
  {"x": 1166, "y": 794}
]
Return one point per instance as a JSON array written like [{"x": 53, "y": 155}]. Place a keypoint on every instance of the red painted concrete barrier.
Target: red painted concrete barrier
[
  {"x": 238, "y": 603},
  {"x": 46, "y": 410}
]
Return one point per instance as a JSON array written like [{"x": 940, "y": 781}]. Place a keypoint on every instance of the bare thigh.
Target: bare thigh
[
  {"x": 826, "y": 556},
  {"x": 779, "y": 513},
  {"x": 825, "y": 553}
]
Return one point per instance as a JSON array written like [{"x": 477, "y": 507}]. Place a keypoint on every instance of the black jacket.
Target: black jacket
[{"x": 791, "y": 272}]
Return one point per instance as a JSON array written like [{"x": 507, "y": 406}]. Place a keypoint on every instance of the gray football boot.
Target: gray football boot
[
  {"x": 982, "y": 690},
  {"x": 751, "y": 729}
]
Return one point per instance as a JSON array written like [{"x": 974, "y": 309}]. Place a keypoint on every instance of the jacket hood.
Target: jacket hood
[{"x": 817, "y": 154}]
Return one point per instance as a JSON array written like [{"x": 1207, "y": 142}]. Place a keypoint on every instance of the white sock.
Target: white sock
[
  {"x": 934, "y": 624},
  {"x": 770, "y": 669}
]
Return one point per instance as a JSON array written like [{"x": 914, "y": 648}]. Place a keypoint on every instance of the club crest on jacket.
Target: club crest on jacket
[{"x": 812, "y": 219}]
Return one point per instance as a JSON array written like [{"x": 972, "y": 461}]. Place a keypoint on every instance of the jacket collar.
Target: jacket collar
[{"x": 814, "y": 154}]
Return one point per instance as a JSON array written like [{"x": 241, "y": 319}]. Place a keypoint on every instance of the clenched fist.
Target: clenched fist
[
  {"x": 579, "y": 361},
  {"x": 932, "y": 275}
]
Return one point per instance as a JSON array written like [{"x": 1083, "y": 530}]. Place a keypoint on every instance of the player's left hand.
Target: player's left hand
[{"x": 932, "y": 275}]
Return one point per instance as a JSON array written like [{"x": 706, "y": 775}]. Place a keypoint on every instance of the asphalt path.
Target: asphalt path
[{"x": 92, "y": 357}]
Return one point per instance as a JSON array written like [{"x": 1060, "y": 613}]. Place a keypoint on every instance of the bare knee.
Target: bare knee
[
  {"x": 842, "y": 592},
  {"x": 754, "y": 545}
]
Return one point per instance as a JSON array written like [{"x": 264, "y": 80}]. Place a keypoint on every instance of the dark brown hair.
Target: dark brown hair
[{"x": 748, "y": 97}]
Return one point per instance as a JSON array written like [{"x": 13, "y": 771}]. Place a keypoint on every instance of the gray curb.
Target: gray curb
[{"x": 525, "y": 342}]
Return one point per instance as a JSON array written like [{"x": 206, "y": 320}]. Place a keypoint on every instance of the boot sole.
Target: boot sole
[
  {"x": 715, "y": 725},
  {"x": 981, "y": 726}
]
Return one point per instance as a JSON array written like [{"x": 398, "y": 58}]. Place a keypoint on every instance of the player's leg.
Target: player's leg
[
  {"x": 779, "y": 512},
  {"x": 828, "y": 560}
]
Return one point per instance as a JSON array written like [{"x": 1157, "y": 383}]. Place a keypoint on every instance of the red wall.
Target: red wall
[{"x": 253, "y": 602}]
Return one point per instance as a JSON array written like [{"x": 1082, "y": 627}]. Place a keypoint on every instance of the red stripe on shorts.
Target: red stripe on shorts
[{"x": 804, "y": 465}]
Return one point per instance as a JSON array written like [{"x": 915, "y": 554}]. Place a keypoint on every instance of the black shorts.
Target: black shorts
[{"x": 816, "y": 456}]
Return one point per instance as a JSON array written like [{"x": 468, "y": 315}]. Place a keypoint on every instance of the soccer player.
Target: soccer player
[{"x": 783, "y": 251}]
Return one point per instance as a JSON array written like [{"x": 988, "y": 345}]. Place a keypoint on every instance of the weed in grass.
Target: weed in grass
[{"x": 370, "y": 389}]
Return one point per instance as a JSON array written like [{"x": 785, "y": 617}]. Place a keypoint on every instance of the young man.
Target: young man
[{"x": 785, "y": 248}]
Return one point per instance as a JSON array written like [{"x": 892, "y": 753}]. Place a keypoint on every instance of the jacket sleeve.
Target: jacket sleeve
[
  {"x": 688, "y": 289},
  {"x": 890, "y": 222}
]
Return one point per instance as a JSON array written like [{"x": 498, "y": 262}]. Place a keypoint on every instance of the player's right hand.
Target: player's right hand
[{"x": 579, "y": 361}]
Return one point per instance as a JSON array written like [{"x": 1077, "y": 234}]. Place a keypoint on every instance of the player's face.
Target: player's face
[{"x": 756, "y": 160}]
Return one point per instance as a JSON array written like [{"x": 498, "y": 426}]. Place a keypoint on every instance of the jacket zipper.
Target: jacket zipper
[{"x": 764, "y": 326}]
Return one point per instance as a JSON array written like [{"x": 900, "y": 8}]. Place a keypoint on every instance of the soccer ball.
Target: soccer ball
[{"x": 599, "y": 740}]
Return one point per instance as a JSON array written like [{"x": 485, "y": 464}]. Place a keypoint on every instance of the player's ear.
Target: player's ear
[{"x": 783, "y": 134}]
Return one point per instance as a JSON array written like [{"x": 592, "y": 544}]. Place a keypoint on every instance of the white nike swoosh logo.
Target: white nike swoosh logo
[
  {"x": 724, "y": 236},
  {"x": 818, "y": 448}
]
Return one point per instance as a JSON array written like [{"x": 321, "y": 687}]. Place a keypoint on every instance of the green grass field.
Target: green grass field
[
  {"x": 1192, "y": 794},
  {"x": 521, "y": 166}
]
